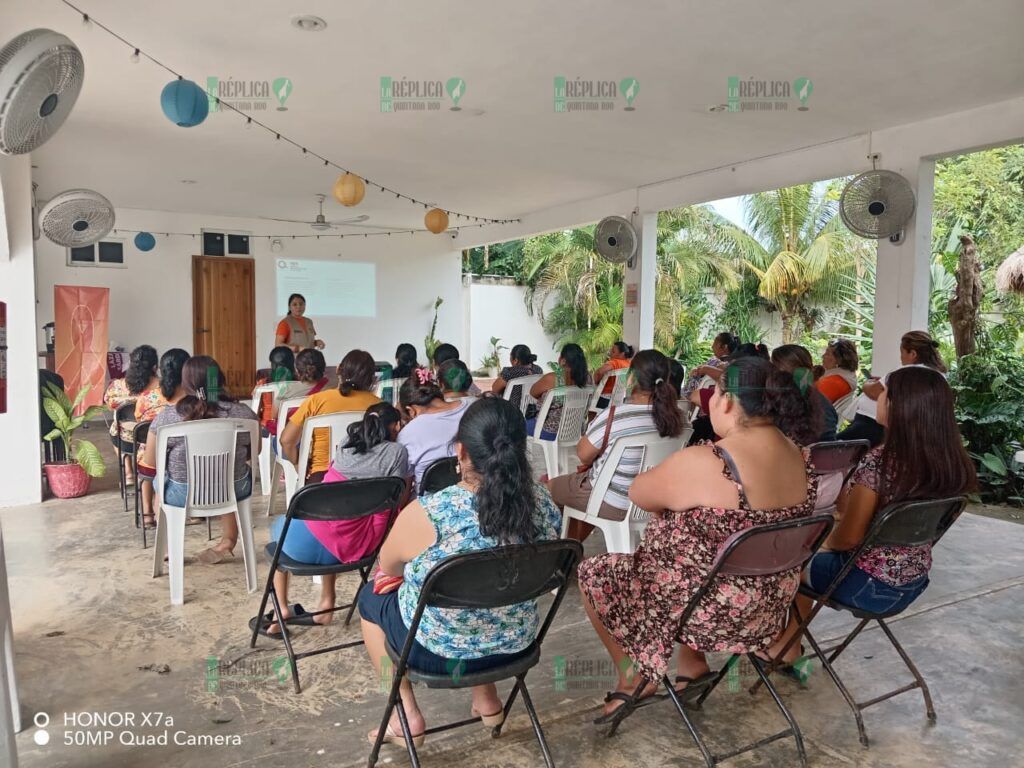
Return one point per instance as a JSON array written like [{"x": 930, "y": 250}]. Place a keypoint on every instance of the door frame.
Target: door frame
[{"x": 197, "y": 262}]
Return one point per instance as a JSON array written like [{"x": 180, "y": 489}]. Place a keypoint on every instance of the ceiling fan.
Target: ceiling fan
[{"x": 320, "y": 223}]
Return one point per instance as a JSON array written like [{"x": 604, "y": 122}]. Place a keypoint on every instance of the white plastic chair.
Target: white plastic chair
[
  {"x": 558, "y": 453},
  {"x": 522, "y": 385},
  {"x": 620, "y": 535},
  {"x": 266, "y": 452},
  {"x": 295, "y": 474},
  {"x": 10, "y": 714},
  {"x": 210, "y": 447},
  {"x": 394, "y": 384},
  {"x": 619, "y": 376}
]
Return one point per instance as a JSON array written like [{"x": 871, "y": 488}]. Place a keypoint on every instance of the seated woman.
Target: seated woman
[
  {"x": 618, "y": 358},
  {"x": 431, "y": 421},
  {"x": 445, "y": 352},
  {"x": 455, "y": 380},
  {"x": 571, "y": 372},
  {"x": 699, "y": 497},
  {"x": 282, "y": 367},
  {"x": 840, "y": 377},
  {"x": 201, "y": 401},
  {"x": 369, "y": 451},
  {"x": 796, "y": 361},
  {"x": 172, "y": 365},
  {"x": 523, "y": 363},
  {"x": 496, "y": 503},
  {"x": 405, "y": 361},
  {"x": 922, "y": 458},
  {"x": 309, "y": 379},
  {"x": 140, "y": 377},
  {"x": 652, "y": 407},
  {"x": 723, "y": 345},
  {"x": 356, "y": 376}
]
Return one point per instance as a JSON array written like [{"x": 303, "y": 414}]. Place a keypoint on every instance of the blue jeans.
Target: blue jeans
[
  {"x": 300, "y": 544},
  {"x": 176, "y": 494},
  {"x": 860, "y": 590},
  {"x": 531, "y": 424}
]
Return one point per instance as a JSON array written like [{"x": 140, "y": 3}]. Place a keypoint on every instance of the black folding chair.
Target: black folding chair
[
  {"x": 491, "y": 578},
  {"x": 139, "y": 436},
  {"x": 125, "y": 413},
  {"x": 762, "y": 551},
  {"x": 440, "y": 475},
  {"x": 837, "y": 456},
  {"x": 348, "y": 500},
  {"x": 905, "y": 524}
]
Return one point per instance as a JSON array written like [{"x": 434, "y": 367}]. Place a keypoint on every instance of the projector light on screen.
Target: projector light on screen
[{"x": 331, "y": 288}]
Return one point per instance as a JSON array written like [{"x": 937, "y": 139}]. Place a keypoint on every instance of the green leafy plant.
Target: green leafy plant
[
  {"x": 61, "y": 411},
  {"x": 990, "y": 411},
  {"x": 431, "y": 342},
  {"x": 493, "y": 358}
]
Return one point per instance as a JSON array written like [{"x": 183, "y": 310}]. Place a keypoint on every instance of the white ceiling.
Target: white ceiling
[{"x": 874, "y": 64}]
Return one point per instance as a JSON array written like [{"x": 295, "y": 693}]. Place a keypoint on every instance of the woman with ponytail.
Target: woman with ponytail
[
  {"x": 651, "y": 407},
  {"x": 205, "y": 396},
  {"x": 455, "y": 381},
  {"x": 495, "y": 503},
  {"x": 698, "y": 498},
  {"x": 522, "y": 362},
  {"x": 618, "y": 358},
  {"x": 796, "y": 361},
  {"x": 431, "y": 421},
  {"x": 369, "y": 451},
  {"x": 140, "y": 379},
  {"x": 571, "y": 372}
]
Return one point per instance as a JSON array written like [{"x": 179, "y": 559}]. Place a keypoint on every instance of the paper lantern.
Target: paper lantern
[
  {"x": 144, "y": 241},
  {"x": 184, "y": 103},
  {"x": 349, "y": 189},
  {"x": 436, "y": 220}
]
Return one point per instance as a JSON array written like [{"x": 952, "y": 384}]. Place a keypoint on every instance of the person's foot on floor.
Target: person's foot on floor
[
  {"x": 286, "y": 613},
  {"x": 792, "y": 654},
  {"x": 649, "y": 690},
  {"x": 417, "y": 725},
  {"x": 221, "y": 553},
  {"x": 325, "y": 604}
]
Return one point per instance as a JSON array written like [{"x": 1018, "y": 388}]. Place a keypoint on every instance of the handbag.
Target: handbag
[{"x": 582, "y": 468}]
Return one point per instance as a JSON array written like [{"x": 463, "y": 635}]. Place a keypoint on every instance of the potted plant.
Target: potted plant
[
  {"x": 70, "y": 479},
  {"x": 492, "y": 361}
]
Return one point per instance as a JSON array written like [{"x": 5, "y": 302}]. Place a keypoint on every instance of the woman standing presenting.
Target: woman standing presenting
[{"x": 295, "y": 330}]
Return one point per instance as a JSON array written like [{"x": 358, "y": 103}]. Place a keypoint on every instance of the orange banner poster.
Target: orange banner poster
[{"x": 81, "y": 320}]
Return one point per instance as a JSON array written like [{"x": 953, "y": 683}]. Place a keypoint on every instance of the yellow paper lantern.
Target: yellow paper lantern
[
  {"x": 349, "y": 189},
  {"x": 436, "y": 220}
]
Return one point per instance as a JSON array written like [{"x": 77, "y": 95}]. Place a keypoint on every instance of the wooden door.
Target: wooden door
[{"x": 224, "y": 317}]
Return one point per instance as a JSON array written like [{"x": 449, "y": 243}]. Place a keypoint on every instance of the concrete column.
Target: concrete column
[
  {"x": 903, "y": 280},
  {"x": 638, "y": 311}
]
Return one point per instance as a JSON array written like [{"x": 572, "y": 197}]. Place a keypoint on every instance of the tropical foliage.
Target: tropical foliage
[{"x": 61, "y": 410}]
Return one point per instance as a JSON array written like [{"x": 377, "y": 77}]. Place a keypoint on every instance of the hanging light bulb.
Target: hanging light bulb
[{"x": 134, "y": 58}]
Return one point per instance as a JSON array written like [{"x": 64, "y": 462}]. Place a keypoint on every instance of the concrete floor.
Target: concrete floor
[{"x": 92, "y": 630}]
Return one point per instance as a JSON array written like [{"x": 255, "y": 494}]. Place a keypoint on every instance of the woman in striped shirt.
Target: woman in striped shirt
[{"x": 652, "y": 407}]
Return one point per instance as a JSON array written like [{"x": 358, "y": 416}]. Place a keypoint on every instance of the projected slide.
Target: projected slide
[{"x": 331, "y": 288}]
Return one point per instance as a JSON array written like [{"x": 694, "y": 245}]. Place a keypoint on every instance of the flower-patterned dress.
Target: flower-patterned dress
[{"x": 640, "y": 598}]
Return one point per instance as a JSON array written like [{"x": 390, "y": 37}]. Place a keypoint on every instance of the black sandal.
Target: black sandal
[
  {"x": 694, "y": 685},
  {"x": 268, "y": 619},
  {"x": 789, "y": 670},
  {"x": 628, "y": 703}
]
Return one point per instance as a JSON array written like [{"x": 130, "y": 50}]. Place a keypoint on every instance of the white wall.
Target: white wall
[
  {"x": 496, "y": 309},
  {"x": 151, "y": 300},
  {"x": 20, "y": 474}
]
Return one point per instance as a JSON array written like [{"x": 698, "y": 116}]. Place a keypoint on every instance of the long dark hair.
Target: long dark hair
[
  {"x": 454, "y": 376},
  {"x": 374, "y": 429},
  {"x": 652, "y": 374},
  {"x": 576, "y": 362},
  {"x": 172, "y": 363},
  {"x": 405, "y": 356},
  {"x": 763, "y": 390},
  {"x": 797, "y": 361},
  {"x": 522, "y": 355},
  {"x": 282, "y": 364},
  {"x": 923, "y": 456},
  {"x": 728, "y": 340},
  {"x": 142, "y": 365},
  {"x": 310, "y": 365},
  {"x": 419, "y": 389},
  {"x": 357, "y": 371},
  {"x": 624, "y": 348},
  {"x": 444, "y": 351},
  {"x": 205, "y": 389},
  {"x": 926, "y": 347},
  {"x": 493, "y": 432},
  {"x": 295, "y": 296}
]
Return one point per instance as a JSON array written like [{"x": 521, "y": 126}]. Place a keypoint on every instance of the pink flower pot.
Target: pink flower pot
[{"x": 67, "y": 481}]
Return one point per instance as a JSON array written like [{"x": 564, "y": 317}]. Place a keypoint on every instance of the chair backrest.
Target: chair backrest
[
  {"x": 125, "y": 412},
  {"x": 653, "y": 448},
  {"x": 575, "y": 401},
  {"x": 346, "y": 500},
  {"x": 389, "y": 387},
  {"x": 440, "y": 475},
  {"x": 285, "y": 410},
  {"x": 210, "y": 446},
  {"x": 141, "y": 432},
  {"x": 619, "y": 375},
  {"x": 913, "y": 523},
  {"x": 336, "y": 423},
  {"x": 517, "y": 392},
  {"x": 837, "y": 455}
]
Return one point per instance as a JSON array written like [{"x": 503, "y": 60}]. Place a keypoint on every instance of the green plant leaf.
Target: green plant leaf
[
  {"x": 53, "y": 434},
  {"x": 81, "y": 396},
  {"x": 58, "y": 394},
  {"x": 89, "y": 458},
  {"x": 93, "y": 411},
  {"x": 57, "y": 414},
  {"x": 995, "y": 463}
]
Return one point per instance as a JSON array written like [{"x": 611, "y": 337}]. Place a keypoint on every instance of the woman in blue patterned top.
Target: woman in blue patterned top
[{"x": 496, "y": 503}]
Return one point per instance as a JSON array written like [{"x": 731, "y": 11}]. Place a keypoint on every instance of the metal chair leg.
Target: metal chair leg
[
  {"x": 496, "y": 732},
  {"x": 528, "y": 703},
  {"x": 709, "y": 759},
  {"x": 827, "y": 666},
  {"x": 407, "y": 732},
  {"x": 929, "y": 708},
  {"x": 835, "y": 652},
  {"x": 287, "y": 640},
  {"x": 392, "y": 696},
  {"x": 263, "y": 607},
  {"x": 794, "y": 728}
]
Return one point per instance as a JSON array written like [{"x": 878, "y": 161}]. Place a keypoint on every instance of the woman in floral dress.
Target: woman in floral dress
[{"x": 699, "y": 497}]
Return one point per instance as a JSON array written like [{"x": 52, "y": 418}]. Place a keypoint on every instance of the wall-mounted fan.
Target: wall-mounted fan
[
  {"x": 320, "y": 223},
  {"x": 41, "y": 75},
  {"x": 615, "y": 240},
  {"x": 877, "y": 204},
  {"x": 77, "y": 217}
]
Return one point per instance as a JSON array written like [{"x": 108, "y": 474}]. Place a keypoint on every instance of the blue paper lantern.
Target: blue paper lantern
[
  {"x": 184, "y": 103},
  {"x": 144, "y": 241}
]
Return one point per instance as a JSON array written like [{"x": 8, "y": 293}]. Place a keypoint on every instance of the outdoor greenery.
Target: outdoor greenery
[{"x": 61, "y": 410}]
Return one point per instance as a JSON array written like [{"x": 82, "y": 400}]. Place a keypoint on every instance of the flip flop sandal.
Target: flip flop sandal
[
  {"x": 213, "y": 556},
  {"x": 268, "y": 619},
  {"x": 629, "y": 704},
  {"x": 489, "y": 721},
  {"x": 390, "y": 737},
  {"x": 301, "y": 617},
  {"x": 694, "y": 685}
]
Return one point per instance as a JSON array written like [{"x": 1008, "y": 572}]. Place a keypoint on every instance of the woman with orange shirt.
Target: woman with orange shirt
[
  {"x": 840, "y": 377},
  {"x": 295, "y": 330}
]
